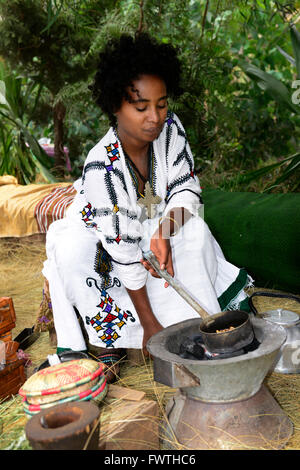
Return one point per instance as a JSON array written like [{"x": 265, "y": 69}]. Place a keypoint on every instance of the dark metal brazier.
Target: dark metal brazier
[{"x": 225, "y": 342}]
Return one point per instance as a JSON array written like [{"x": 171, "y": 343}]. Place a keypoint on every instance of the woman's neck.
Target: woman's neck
[{"x": 137, "y": 151}]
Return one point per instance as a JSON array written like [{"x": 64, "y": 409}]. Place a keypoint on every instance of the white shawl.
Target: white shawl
[{"x": 106, "y": 200}]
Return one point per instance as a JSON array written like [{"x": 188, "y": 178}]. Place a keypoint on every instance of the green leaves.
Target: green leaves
[
  {"x": 234, "y": 124},
  {"x": 290, "y": 170},
  {"x": 52, "y": 14},
  {"x": 268, "y": 83},
  {"x": 20, "y": 155},
  {"x": 295, "y": 37},
  {"x": 279, "y": 92},
  {"x": 275, "y": 88}
]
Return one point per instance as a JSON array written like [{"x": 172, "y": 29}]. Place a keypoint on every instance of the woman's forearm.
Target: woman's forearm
[{"x": 174, "y": 219}]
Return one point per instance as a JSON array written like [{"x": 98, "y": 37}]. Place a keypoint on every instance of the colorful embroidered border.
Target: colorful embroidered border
[
  {"x": 182, "y": 155},
  {"x": 104, "y": 268},
  {"x": 89, "y": 213},
  {"x": 108, "y": 318},
  {"x": 112, "y": 152}
]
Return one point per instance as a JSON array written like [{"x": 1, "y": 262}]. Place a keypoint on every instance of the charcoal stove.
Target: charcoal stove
[{"x": 221, "y": 402}]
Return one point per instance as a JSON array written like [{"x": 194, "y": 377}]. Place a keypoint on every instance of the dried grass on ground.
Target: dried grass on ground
[{"x": 21, "y": 278}]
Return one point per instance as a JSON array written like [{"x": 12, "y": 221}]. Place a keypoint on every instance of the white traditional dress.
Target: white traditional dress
[{"x": 94, "y": 253}]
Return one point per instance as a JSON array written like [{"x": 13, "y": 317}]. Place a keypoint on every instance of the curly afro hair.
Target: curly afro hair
[{"x": 126, "y": 59}]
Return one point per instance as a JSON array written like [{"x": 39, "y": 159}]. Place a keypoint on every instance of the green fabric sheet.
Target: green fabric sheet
[{"x": 259, "y": 232}]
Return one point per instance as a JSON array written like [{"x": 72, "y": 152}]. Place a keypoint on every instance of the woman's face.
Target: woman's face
[{"x": 141, "y": 119}]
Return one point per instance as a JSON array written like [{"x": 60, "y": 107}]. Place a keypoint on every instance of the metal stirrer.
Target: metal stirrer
[{"x": 175, "y": 284}]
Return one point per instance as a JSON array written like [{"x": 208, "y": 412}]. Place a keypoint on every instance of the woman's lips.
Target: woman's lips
[{"x": 153, "y": 130}]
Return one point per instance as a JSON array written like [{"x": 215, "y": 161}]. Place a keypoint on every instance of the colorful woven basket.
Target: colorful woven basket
[
  {"x": 76, "y": 380},
  {"x": 98, "y": 391}
]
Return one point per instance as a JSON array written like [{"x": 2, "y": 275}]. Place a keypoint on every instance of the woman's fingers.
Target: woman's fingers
[
  {"x": 149, "y": 268},
  {"x": 152, "y": 271},
  {"x": 162, "y": 250},
  {"x": 169, "y": 267}
]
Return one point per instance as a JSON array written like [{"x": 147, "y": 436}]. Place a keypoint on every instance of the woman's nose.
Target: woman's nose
[{"x": 153, "y": 115}]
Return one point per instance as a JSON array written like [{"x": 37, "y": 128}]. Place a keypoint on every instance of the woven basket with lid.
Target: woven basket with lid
[{"x": 80, "y": 379}]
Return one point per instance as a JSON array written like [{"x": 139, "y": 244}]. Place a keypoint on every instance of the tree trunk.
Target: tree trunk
[{"x": 59, "y": 113}]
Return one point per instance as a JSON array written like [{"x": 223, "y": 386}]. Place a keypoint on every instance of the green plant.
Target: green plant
[
  {"x": 21, "y": 155},
  {"x": 48, "y": 42},
  {"x": 229, "y": 122},
  {"x": 280, "y": 93}
]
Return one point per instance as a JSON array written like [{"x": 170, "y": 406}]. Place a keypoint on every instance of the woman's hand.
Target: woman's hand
[
  {"x": 161, "y": 248},
  {"x": 150, "y": 330},
  {"x": 147, "y": 319}
]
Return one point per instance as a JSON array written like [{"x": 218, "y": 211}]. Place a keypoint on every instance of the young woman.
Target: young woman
[{"x": 138, "y": 191}]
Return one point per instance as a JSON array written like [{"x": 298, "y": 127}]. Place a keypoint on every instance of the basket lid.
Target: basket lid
[
  {"x": 61, "y": 377},
  {"x": 50, "y": 398},
  {"x": 99, "y": 389}
]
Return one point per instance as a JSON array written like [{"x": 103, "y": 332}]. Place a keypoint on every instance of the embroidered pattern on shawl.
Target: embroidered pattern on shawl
[
  {"x": 109, "y": 319},
  {"x": 88, "y": 212},
  {"x": 106, "y": 207},
  {"x": 104, "y": 267},
  {"x": 182, "y": 155}
]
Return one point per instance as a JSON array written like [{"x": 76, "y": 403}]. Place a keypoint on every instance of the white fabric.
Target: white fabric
[
  {"x": 113, "y": 217},
  {"x": 171, "y": 167},
  {"x": 53, "y": 359}
]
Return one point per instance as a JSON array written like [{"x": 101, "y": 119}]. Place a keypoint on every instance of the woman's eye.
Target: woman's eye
[{"x": 162, "y": 106}]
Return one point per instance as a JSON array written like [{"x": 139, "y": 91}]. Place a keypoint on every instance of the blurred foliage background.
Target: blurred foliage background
[{"x": 241, "y": 64}]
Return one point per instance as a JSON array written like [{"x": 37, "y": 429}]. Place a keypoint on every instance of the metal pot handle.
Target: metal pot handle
[{"x": 269, "y": 294}]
